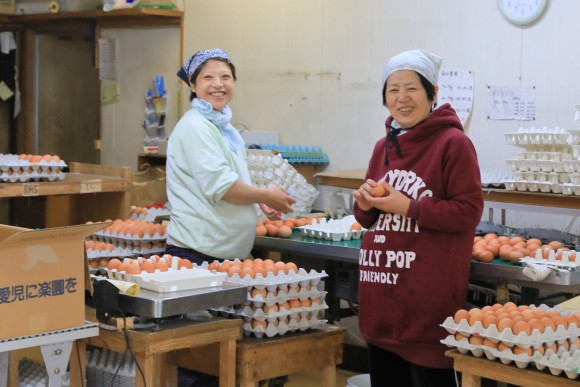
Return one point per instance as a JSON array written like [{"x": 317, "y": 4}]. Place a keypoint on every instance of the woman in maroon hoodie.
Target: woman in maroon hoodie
[{"x": 421, "y": 202}]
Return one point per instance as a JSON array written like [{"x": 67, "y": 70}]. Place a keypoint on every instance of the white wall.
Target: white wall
[
  {"x": 142, "y": 54},
  {"x": 310, "y": 69}
]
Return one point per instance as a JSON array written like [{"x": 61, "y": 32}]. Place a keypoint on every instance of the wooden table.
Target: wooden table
[
  {"x": 152, "y": 348},
  {"x": 474, "y": 368},
  {"x": 266, "y": 358}
]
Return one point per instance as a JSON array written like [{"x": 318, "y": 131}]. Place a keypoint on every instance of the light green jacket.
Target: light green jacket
[{"x": 201, "y": 168}]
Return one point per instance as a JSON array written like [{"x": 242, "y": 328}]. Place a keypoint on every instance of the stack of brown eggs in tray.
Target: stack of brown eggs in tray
[
  {"x": 281, "y": 297},
  {"x": 23, "y": 168},
  {"x": 134, "y": 237},
  {"x": 525, "y": 335}
]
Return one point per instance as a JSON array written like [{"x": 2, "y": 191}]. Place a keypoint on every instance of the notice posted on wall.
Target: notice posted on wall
[
  {"x": 456, "y": 88},
  {"x": 107, "y": 60},
  {"x": 511, "y": 103}
]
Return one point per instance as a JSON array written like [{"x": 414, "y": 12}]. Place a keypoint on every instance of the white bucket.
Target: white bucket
[{"x": 363, "y": 380}]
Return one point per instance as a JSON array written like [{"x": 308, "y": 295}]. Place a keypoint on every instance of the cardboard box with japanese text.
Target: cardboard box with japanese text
[{"x": 42, "y": 279}]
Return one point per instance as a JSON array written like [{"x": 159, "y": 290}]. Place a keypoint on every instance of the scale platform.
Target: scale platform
[{"x": 161, "y": 305}]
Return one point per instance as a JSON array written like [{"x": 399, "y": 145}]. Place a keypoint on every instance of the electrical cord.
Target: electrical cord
[{"x": 127, "y": 349}]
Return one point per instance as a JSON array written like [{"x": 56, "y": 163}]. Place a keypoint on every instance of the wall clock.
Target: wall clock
[{"x": 521, "y": 12}]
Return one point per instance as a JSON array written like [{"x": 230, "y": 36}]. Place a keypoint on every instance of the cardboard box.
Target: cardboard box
[
  {"x": 7, "y": 7},
  {"x": 42, "y": 279}
]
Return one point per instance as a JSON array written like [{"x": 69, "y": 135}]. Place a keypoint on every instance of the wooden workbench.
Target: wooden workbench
[
  {"x": 474, "y": 368},
  {"x": 265, "y": 358},
  {"x": 152, "y": 348}
]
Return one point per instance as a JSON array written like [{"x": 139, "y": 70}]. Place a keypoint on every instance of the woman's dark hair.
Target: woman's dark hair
[
  {"x": 198, "y": 70},
  {"x": 429, "y": 89}
]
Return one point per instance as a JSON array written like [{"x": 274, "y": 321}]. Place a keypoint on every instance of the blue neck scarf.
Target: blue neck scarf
[{"x": 222, "y": 121}]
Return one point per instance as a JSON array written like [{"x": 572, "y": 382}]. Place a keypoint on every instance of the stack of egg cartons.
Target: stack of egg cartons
[
  {"x": 23, "y": 168},
  {"x": 269, "y": 170},
  {"x": 549, "y": 161},
  {"x": 285, "y": 299}
]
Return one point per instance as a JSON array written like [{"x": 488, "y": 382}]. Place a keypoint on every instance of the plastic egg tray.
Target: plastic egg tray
[
  {"x": 557, "y": 362},
  {"x": 280, "y": 289},
  {"x": 269, "y": 170},
  {"x": 173, "y": 279},
  {"x": 148, "y": 214},
  {"x": 564, "y": 262},
  {"x": 536, "y": 136},
  {"x": 333, "y": 229},
  {"x": 542, "y": 186},
  {"x": 15, "y": 170}
]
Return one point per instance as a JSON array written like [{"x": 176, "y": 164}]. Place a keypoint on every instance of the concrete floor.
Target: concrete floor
[{"x": 314, "y": 378}]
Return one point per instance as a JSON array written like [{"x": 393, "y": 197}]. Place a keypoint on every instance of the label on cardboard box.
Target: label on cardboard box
[{"x": 42, "y": 284}]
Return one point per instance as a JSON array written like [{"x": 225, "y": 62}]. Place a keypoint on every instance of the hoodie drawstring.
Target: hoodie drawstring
[{"x": 392, "y": 141}]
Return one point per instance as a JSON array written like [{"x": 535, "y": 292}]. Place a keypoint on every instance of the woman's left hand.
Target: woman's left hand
[{"x": 270, "y": 213}]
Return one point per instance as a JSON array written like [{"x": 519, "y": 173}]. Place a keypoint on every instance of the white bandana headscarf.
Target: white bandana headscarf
[{"x": 421, "y": 61}]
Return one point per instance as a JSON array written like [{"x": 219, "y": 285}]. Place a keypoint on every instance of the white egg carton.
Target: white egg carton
[
  {"x": 495, "y": 178},
  {"x": 574, "y": 138},
  {"x": 16, "y": 170},
  {"x": 563, "y": 263},
  {"x": 537, "y": 136},
  {"x": 175, "y": 279},
  {"x": 269, "y": 170},
  {"x": 333, "y": 229},
  {"x": 542, "y": 186},
  {"x": 508, "y": 337},
  {"x": 282, "y": 327},
  {"x": 279, "y": 288},
  {"x": 562, "y": 361},
  {"x": 149, "y": 214},
  {"x": 557, "y": 362}
]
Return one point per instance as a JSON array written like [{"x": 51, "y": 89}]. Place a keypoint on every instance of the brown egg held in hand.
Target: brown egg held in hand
[{"x": 379, "y": 190}]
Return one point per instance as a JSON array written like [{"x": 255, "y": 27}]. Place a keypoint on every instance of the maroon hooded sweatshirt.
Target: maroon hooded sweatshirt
[{"x": 414, "y": 269}]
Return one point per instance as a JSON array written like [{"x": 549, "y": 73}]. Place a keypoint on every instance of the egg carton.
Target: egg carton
[
  {"x": 149, "y": 214},
  {"x": 97, "y": 254},
  {"x": 543, "y": 155},
  {"x": 282, "y": 327},
  {"x": 333, "y": 229},
  {"x": 557, "y": 362},
  {"x": 128, "y": 238},
  {"x": 270, "y": 170},
  {"x": 283, "y": 295},
  {"x": 564, "y": 262},
  {"x": 495, "y": 178},
  {"x": 537, "y": 136},
  {"x": 540, "y": 177},
  {"x": 567, "y": 362},
  {"x": 507, "y": 336},
  {"x": 544, "y": 187},
  {"x": 280, "y": 281},
  {"x": 574, "y": 138},
  {"x": 252, "y": 312}
]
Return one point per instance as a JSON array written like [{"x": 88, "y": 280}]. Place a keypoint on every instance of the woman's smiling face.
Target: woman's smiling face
[
  {"x": 407, "y": 99},
  {"x": 215, "y": 84}
]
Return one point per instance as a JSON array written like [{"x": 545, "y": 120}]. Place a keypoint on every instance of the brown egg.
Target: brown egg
[
  {"x": 268, "y": 308},
  {"x": 261, "y": 231},
  {"x": 486, "y": 256},
  {"x": 113, "y": 263},
  {"x": 521, "y": 326},
  {"x": 489, "y": 343},
  {"x": 292, "y": 266},
  {"x": 94, "y": 263},
  {"x": 235, "y": 269},
  {"x": 161, "y": 265},
  {"x": 214, "y": 266},
  {"x": 247, "y": 271},
  {"x": 475, "y": 340},
  {"x": 307, "y": 302},
  {"x": 148, "y": 267},
  {"x": 259, "y": 324},
  {"x": 475, "y": 317},
  {"x": 255, "y": 292},
  {"x": 284, "y": 231},
  {"x": 355, "y": 227},
  {"x": 272, "y": 230},
  {"x": 490, "y": 320},
  {"x": 504, "y": 323},
  {"x": 295, "y": 303},
  {"x": 519, "y": 350},
  {"x": 461, "y": 314},
  {"x": 133, "y": 268},
  {"x": 186, "y": 263}
]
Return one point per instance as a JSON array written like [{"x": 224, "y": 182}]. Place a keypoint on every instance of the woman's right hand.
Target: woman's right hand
[
  {"x": 360, "y": 195},
  {"x": 279, "y": 200}
]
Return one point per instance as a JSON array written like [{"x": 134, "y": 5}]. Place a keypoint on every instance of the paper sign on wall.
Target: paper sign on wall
[
  {"x": 456, "y": 88},
  {"x": 511, "y": 103}
]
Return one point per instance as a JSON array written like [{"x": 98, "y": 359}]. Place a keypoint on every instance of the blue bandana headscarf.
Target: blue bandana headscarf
[
  {"x": 197, "y": 59},
  {"x": 222, "y": 121}
]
